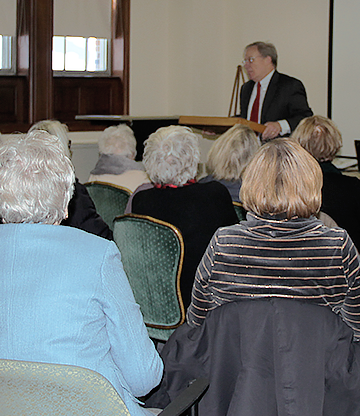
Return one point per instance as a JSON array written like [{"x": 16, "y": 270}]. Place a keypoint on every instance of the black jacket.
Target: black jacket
[
  {"x": 83, "y": 215},
  {"x": 197, "y": 210},
  {"x": 274, "y": 357},
  {"x": 341, "y": 200}
]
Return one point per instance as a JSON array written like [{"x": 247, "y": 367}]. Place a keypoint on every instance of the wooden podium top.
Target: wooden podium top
[
  {"x": 186, "y": 120},
  {"x": 220, "y": 121}
]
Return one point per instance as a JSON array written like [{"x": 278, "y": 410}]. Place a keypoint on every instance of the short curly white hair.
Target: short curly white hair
[
  {"x": 118, "y": 140},
  {"x": 36, "y": 179},
  {"x": 171, "y": 155},
  {"x": 57, "y": 129}
]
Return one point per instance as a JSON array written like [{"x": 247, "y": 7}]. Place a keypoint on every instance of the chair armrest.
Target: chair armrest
[{"x": 187, "y": 399}]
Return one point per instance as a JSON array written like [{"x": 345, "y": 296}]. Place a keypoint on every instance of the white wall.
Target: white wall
[
  {"x": 184, "y": 53},
  {"x": 149, "y": 57}
]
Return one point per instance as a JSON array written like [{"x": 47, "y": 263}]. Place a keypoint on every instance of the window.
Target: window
[
  {"x": 82, "y": 33},
  {"x": 8, "y": 37},
  {"x": 79, "y": 54},
  {"x": 6, "y": 54}
]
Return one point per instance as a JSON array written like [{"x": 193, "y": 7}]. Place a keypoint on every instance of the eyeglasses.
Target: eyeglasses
[{"x": 250, "y": 60}]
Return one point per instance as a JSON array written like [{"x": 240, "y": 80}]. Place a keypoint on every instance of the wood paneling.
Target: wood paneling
[
  {"x": 35, "y": 30},
  {"x": 13, "y": 103},
  {"x": 121, "y": 47},
  {"x": 73, "y": 96}
]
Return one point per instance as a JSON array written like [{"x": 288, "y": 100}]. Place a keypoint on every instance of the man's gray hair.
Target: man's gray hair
[
  {"x": 36, "y": 179},
  {"x": 171, "y": 155},
  {"x": 266, "y": 49},
  {"x": 118, "y": 140}
]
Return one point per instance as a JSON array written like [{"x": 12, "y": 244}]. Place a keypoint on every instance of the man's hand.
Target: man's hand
[{"x": 271, "y": 131}]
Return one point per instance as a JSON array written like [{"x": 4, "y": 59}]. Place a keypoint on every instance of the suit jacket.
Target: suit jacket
[
  {"x": 65, "y": 298},
  {"x": 285, "y": 99},
  {"x": 267, "y": 357}
]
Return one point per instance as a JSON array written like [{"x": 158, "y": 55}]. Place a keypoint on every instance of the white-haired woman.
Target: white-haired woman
[
  {"x": 229, "y": 156},
  {"x": 81, "y": 211},
  {"x": 116, "y": 164},
  {"x": 171, "y": 158},
  {"x": 64, "y": 296}
]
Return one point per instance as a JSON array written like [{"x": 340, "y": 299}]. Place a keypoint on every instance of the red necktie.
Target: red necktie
[{"x": 255, "y": 108}]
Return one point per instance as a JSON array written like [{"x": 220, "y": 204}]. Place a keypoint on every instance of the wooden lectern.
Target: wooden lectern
[{"x": 201, "y": 122}]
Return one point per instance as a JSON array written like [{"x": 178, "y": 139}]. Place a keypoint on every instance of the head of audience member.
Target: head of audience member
[
  {"x": 57, "y": 129},
  {"x": 118, "y": 140},
  {"x": 282, "y": 178},
  {"x": 260, "y": 58},
  {"x": 319, "y": 136},
  {"x": 231, "y": 153},
  {"x": 36, "y": 179},
  {"x": 171, "y": 155}
]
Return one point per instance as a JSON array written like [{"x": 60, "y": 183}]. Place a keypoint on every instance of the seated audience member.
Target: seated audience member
[
  {"x": 81, "y": 211},
  {"x": 171, "y": 157},
  {"x": 282, "y": 249},
  {"x": 116, "y": 164},
  {"x": 340, "y": 193},
  {"x": 228, "y": 157},
  {"x": 64, "y": 294}
]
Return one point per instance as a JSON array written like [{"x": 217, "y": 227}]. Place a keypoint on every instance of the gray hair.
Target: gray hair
[
  {"x": 36, "y": 179},
  {"x": 57, "y": 129},
  {"x": 232, "y": 152},
  {"x": 172, "y": 155},
  {"x": 118, "y": 140},
  {"x": 266, "y": 49}
]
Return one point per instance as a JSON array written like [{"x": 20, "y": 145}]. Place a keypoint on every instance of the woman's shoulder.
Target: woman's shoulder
[
  {"x": 68, "y": 242},
  {"x": 212, "y": 186},
  {"x": 79, "y": 242}
]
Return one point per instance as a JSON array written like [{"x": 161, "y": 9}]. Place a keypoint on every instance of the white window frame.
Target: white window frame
[
  {"x": 12, "y": 69},
  {"x": 107, "y": 73}
]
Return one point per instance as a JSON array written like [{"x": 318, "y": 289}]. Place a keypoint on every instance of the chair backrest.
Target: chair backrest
[
  {"x": 110, "y": 200},
  {"x": 152, "y": 253},
  {"x": 40, "y": 389},
  {"x": 240, "y": 210}
]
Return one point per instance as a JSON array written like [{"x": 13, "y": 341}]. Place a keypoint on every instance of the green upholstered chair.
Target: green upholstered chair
[
  {"x": 240, "y": 210},
  {"x": 152, "y": 253},
  {"x": 41, "y": 389},
  {"x": 110, "y": 200}
]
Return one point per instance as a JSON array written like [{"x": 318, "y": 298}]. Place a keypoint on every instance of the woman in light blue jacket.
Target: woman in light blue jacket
[{"x": 64, "y": 296}]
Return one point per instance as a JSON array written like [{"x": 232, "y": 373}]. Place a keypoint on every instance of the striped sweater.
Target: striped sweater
[{"x": 264, "y": 257}]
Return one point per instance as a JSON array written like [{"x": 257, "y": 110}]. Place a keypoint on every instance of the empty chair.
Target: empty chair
[
  {"x": 42, "y": 389},
  {"x": 152, "y": 253},
  {"x": 110, "y": 200}
]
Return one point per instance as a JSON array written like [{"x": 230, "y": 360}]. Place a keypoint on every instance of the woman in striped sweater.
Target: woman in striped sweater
[{"x": 282, "y": 249}]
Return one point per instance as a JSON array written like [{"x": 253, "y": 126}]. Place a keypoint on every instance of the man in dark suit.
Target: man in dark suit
[{"x": 269, "y": 97}]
